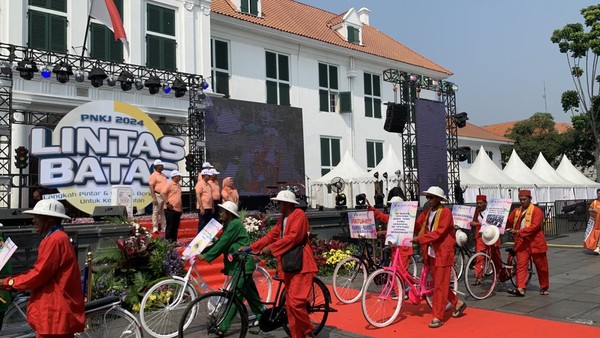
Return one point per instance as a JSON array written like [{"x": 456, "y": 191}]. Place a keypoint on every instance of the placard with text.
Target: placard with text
[
  {"x": 401, "y": 224},
  {"x": 463, "y": 216},
  {"x": 362, "y": 224},
  {"x": 497, "y": 214}
]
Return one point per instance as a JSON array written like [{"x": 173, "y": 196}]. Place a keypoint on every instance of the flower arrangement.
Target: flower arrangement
[
  {"x": 135, "y": 247},
  {"x": 329, "y": 253}
]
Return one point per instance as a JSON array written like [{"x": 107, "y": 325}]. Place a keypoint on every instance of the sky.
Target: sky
[{"x": 499, "y": 51}]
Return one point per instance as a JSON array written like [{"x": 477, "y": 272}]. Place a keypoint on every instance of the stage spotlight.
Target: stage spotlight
[
  {"x": 460, "y": 119},
  {"x": 360, "y": 201},
  {"x": 166, "y": 88},
  {"x": 111, "y": 82},
  {"x": 204, "y": 84},
  {"x": 378, "y": 201},
  {"x": 398, "y": 172},
  {"x": 138, "y": 84},
  {"x": 340, "y": 201},
  {"x": 79, "y": 75},
  {"x": 6, "y": 67},
  {"x": 179, "y": 87},
  {"x": 97, "y": 76},
  {"x": 126, "y": 79},
  {"x": 46, "y": 72},
  {"x": 63, "y": 71},
  {"x": 26, "y": 68},
  {"x": 153, "y": 84},
  {"x": 385, "y": 175},
  {"x": 376, "y": 175},
  {"x": 463, "y": 153}
]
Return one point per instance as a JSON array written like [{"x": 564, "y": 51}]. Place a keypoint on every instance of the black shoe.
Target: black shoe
[{"x": 516, "y": 292}]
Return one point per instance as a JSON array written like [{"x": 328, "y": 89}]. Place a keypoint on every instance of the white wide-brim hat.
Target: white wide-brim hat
[
  {"x": 437, "y": 191},
  {"x": 48, "y": 207},
  {"x": 490, "y": 235},
  {"x": 285, "y": 196},
  {"x": 231, "y": 207}
]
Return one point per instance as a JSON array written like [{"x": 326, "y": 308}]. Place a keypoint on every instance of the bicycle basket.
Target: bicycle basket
[{"x": 272, "y": 319}]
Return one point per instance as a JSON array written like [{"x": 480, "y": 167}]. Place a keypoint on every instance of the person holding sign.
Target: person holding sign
[
  {"x": 233, "y": 238},
  {"x": 171, "y": 193},
  {"x": 594, "y": 211},
  {"x": 525, "y": 224},
  {"x": 56, "y": 307},
  {"x": 435, "y": 227},
  {"x": 290, "y": 231},
  {"x": 480, "y": 246},
  {"x": 405, "y": 251}
]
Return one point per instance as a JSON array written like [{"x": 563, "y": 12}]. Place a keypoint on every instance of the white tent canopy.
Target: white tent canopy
[
  {"x": 520, "y": 172},
  {"x": 390, "y": 164},
  {"x": 544, "y": 170},
  {"x": 356, "y": 179},
  {"x": 472, "y": 185},
  {"x": 567, "y": 169}
]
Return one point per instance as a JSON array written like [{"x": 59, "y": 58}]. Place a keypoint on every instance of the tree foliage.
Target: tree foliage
[
  {"x": 534, "y": 135},
  {"x": 581, "y": 45}
]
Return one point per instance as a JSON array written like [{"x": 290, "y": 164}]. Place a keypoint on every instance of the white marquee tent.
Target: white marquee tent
[
  {"x": 498, "y": 184},
  {"x": 520, "y": 172},
  {"x": 567, "y": 169},
  {"x": 390, "y": 164},
  {"x": 544, "y": 170}
]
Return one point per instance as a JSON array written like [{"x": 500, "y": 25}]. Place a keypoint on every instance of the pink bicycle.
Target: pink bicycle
[{"x": 385, "y": 291}]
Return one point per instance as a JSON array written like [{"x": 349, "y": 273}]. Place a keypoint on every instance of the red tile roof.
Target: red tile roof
[
  {"x": 304, "y": 20},
  {"x": 473, "y": 131},
  {"x": 505, "y": 127}
]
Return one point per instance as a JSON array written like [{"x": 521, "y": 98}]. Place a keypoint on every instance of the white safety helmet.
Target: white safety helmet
[
  {"x": 461, "y": 238},
  {"x": 48, "y": 207}
]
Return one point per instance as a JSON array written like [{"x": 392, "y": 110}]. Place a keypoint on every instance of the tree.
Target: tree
[
  {"x": 534, "y": 135},
  {"x": 582, "y": 49}
]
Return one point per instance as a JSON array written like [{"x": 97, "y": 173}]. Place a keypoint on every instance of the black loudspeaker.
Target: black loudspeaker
[
  {"x": 395, "y": 117},
  {"x": 101, "y": 212},
  {"x": 11, "y": 217}
]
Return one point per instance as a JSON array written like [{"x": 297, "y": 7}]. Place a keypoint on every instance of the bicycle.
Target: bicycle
[
  {"x": 163, "y": 304},
  {"x": 204, "y": 314},
  {"x": 480, "y": 285},
  {"x": 104, "y": 317},
  {"x": 350, "y": 274},
  {"x": 384, "y": 292}
]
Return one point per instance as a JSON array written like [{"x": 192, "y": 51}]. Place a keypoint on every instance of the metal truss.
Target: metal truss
[{"x": 6, "y": 82}]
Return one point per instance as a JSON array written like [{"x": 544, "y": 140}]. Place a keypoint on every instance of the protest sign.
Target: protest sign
[
  {"x": 362, "y": 224},
  {"x": 497, "y": 214},
  {"x": 401, "y": 224},
  {"x": 202, "y": 239},
  {"x": 463, "y": 216}
]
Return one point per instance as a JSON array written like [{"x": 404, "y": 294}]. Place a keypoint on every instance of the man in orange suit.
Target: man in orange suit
[
  {"x": 435, "y": 227},
  {"x": 525, "y": 224},
  {"x": 291, "y": 230},
  {"x": 478, "y": 218}
]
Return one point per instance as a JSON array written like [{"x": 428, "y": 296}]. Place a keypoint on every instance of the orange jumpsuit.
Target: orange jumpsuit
[
  {"x": 481, "y": 247},
  {"x": 405, "y": 251},
  {"x": 298, "y": 284},
  {"x": 530, "y": 242},
  {"x": 442, "y": 240}
]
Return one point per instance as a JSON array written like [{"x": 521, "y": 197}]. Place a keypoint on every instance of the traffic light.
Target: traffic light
[
  {"x": 21, "y": 157},
  {"x": 189, "y": 163}
]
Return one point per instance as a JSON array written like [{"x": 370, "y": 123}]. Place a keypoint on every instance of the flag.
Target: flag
[{"x": 106, "y": 12}]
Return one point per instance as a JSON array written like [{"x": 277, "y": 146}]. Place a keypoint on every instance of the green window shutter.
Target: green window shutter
[
  {"x": 222, "y": 86},
  {"x": 284, "y": 68},
  {"x": 152, "y": 51},
  {"x": 169, "y": 54},
  {"x": 221, "y": 55},
  {"x": 58, "y": 5},
  {"x": 368, "y": 107},
  {"x": 345, "y": 102},
  {"x": 244, "y": 6},
  {"x": 370, "y": 155},
  {"x": 325, "y": 157},
  {"x": 97, "y": 42},
  {"x": 58, "y": 34},
  {"x": 323, "y": 82},
  {"x": 333, "y": 77},
  {"x": 254, "y": 7},
  {"x": 377, "y": 108},
  {"x": 367, "y": 84},
  {"x": 153, "y": 19},
  {"x": 324, "y": 172},
  {"x": 38, "y": 3},
  {"x": 323, "y": 100},
  {"x": 271, "y": 61},
  {"x": 38, "y": 30},
  {"x": 335, "y": 152},
  {"x": 376, "y": 86},
  {"x": 116, "y": 48},
  {"x": 378, "y": 152},
  {"x": 353, "y": 35},
  {"x": 168, "y": 21},
  {"x": 284, "y": 94},
  {"x": 272, "y": 92}
]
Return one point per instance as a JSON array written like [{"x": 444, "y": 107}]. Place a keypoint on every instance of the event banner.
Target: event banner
[
  {"x": 463, "y": 216},
  {"x": 202, "y": 239},
  {"x": 362, "y": 224},
  {"x": 497, "y": 214},
  {"x": 401, "y": 225}
]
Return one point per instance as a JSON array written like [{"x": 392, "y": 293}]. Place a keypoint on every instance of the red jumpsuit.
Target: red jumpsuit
[
  {"x": 530, "y": 242},
  {"x": 56, "y": 304},
  {"x": 481, "y": 247},
  {"x": 442, "y": 241},
  {"x": 405, "y": 251},
  {"x": 298, "y": 285}
]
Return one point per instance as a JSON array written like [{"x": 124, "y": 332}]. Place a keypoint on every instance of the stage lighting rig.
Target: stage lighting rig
[
  {"x": 97, "y": 76},
  {"x": 179, "y": 87},
  {"x": 460, "y": 119},
  {"x": 153, "y": 84},
  {"x": 26, "y": 68},
  {"x": 126, "y": 79},
  {"x": 62, "y": 70}
]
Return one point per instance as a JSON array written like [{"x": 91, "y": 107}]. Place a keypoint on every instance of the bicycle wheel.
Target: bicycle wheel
[
  {"x": 453, "y": 287},
  {"x": 206, "y": 314},
  {"x": 116, "y": 322},
  {"x": 459, "y": 262},
  {"x": 480, "y": 284},
  {"x": 15, "y": 319},
  {"x": 412, "y": 267},
  {"x": 349, "y": 278},
  {"x": 318, "y": 306},
  {"x": 382, "y": 298},
  {"x": 512, "y": 261},
  {"x": 163, "y": 305},
  {"x": 263, "y": 282}
]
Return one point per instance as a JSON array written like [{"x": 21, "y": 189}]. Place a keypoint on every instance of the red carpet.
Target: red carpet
[{"x": 413, "y": 319}]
